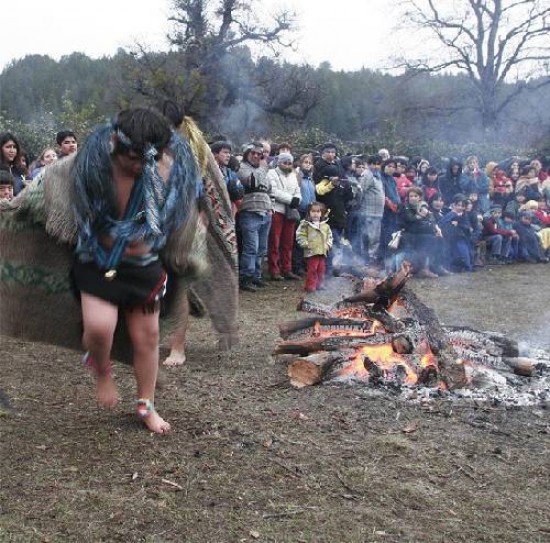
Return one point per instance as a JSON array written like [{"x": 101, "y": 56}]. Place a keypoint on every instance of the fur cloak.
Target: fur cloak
[{"x": 37, "y": 237}]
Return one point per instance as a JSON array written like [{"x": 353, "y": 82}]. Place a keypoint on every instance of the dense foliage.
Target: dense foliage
[{"x": 411, "y": 113}]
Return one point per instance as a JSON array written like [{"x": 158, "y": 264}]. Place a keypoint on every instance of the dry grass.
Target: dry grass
[{"x": 252, "y": 459}]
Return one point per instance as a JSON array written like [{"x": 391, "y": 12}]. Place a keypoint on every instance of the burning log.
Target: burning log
[
  {"x": 451, "y": 366},
  {"x": 525, "y": 367},
  {"x": 325, "y": 324},
  {"x": 413, "y": 349},
  {"x": 315, "y": 368},
  {"x": 385, "y": 292},
  {"x": 330, "y": 343}
]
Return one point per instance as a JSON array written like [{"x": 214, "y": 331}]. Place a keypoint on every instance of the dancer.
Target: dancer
[{"x": 135, "y": 182}]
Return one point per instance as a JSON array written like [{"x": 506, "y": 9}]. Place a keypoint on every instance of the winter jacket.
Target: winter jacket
[
  {"x": 256, "y": 189},
  {"x": 335, "y": 199},
  {"x": 314, "y": 239},
  {"x": 449, "y": 183},
  {"x": 307, "y": 189},
  {"x": 283, "y": 188}
]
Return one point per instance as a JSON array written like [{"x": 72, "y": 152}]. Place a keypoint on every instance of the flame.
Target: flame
[{"x": 386, "y": 358}]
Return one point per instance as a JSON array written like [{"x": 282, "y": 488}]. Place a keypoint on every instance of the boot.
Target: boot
[{"x": 246, "y": 283}]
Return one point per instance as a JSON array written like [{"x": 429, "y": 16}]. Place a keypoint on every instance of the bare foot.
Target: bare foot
[
  {"x": 175, "y": 358},
  {"x": 106, "y": 391},
  {"x": 156, "y": 423}
]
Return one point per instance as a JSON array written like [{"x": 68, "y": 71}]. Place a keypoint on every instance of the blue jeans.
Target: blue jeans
[{"x": 254, "y": 233}]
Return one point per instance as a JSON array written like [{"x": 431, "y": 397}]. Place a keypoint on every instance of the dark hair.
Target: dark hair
[
  {"x": 508, "y": 215},
  {"x": 6, "y": 178},
  {"x": 172, "y": 111},
  {"x": 415, "y": 190},
  {"x": 328, "y": 145},
  {"x": 374, "y": 159},
  {"x": 387, "y": 162},
  {"x": 320, "y": 205},
  {"x": 284, "y": 144},
  {"x": 431, "y": 171},
  {"x": 459, "y": 197},
  {"x": 63, "y": 134},
  {"x": 143, "y": 127},
  {"x": 435, "y": 196},
  {"x": 217, "y": 146},
  {"x": 234, "y": 163},
  {"x": 5, "y": 138}
]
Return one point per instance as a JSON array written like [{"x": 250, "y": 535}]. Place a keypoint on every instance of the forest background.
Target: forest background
[{"x": 228, "y": 69}]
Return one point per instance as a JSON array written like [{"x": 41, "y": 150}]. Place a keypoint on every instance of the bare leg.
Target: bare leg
[
  {"x": 177, "y": 340},
  {"x": 100, "y": 319},
  {"x": 143, "y": 329}
]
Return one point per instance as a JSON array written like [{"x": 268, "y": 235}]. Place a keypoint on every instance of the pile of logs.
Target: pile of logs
[{"x": 382, "y": 333}]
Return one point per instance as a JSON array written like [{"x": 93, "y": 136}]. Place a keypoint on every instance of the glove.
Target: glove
[{"x": 294, "y": 203}]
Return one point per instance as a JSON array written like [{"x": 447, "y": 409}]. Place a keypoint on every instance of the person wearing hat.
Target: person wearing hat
[
  {"x": 497, "y": 239},
  {"x": 286, "y": 196},
  {"x": 254, "y": 216}
]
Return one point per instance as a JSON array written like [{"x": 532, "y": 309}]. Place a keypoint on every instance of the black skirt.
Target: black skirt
[{"x": 132, "y": 287}]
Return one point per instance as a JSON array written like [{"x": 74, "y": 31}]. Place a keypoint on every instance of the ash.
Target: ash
[{"x": 491, "y": 379}]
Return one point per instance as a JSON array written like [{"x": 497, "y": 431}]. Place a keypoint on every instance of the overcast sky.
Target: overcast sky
[{"x": 349, "y": 34}]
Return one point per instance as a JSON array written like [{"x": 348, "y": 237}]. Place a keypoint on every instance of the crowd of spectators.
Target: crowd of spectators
[
  {"x": 451, "y": 219},
  {"x": 304, "y": 216}
]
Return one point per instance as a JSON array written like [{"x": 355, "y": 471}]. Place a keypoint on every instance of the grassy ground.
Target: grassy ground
[{"x": 252, "y": 459}]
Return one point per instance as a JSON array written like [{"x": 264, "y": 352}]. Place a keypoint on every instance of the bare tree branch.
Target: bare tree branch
[{"x": 495, "y": 42}]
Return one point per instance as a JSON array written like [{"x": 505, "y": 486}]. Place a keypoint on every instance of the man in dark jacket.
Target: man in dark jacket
[
  {"x": 450, "y": 183},
  {"x": 335, "y": 194}
]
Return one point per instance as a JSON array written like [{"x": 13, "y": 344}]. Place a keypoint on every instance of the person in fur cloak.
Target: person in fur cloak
[
  {"x": 216, "y": 292},
  {"x": 69, "y": 206}
]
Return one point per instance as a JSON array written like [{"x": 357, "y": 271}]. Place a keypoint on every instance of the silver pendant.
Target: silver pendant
[{"x": 110, "y": 275}]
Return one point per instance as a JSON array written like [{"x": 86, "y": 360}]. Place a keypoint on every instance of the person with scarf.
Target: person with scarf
[{"x": 135, "y": 181}]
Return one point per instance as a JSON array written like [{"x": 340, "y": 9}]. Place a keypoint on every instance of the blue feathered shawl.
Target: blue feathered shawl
[{"x": 155, "y": 209}]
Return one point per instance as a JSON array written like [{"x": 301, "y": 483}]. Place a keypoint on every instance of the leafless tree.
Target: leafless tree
[
  {"x": 503, "y": 46},
  {"x": 213, "y": 63}
]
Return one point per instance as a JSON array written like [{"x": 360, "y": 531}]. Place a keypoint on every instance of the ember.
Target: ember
[{"x": 382, "y": 335}]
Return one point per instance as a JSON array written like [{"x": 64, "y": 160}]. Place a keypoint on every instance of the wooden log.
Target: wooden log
[
  {"x": 307, "y": 306},
  {"x": 312, "y": 369},
  {"x": 286, "y": 329},
  {"x": 523, "y": 366},
  {"x": 385, "y": 292},
  {"x": 506, "y": 346},
  {"x": 451, "y": 366},
  {"x": 330, "y": 343}
]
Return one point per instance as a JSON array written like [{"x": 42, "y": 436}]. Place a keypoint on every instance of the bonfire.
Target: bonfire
[{"x": 382, "y": 335}]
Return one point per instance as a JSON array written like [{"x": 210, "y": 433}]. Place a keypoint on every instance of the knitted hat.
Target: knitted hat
[
  {"x": 495, "y": 207},
  {"x": 285, "y": 157}
]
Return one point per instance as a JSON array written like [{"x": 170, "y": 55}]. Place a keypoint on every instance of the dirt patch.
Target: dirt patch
[{"x": 252, "y": 459}]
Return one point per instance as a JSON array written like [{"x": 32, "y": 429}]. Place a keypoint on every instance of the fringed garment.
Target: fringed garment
[{"x": 38, "y": 235}]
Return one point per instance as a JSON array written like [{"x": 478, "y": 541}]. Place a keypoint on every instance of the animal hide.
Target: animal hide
[{"x": 37, "y": 236}]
